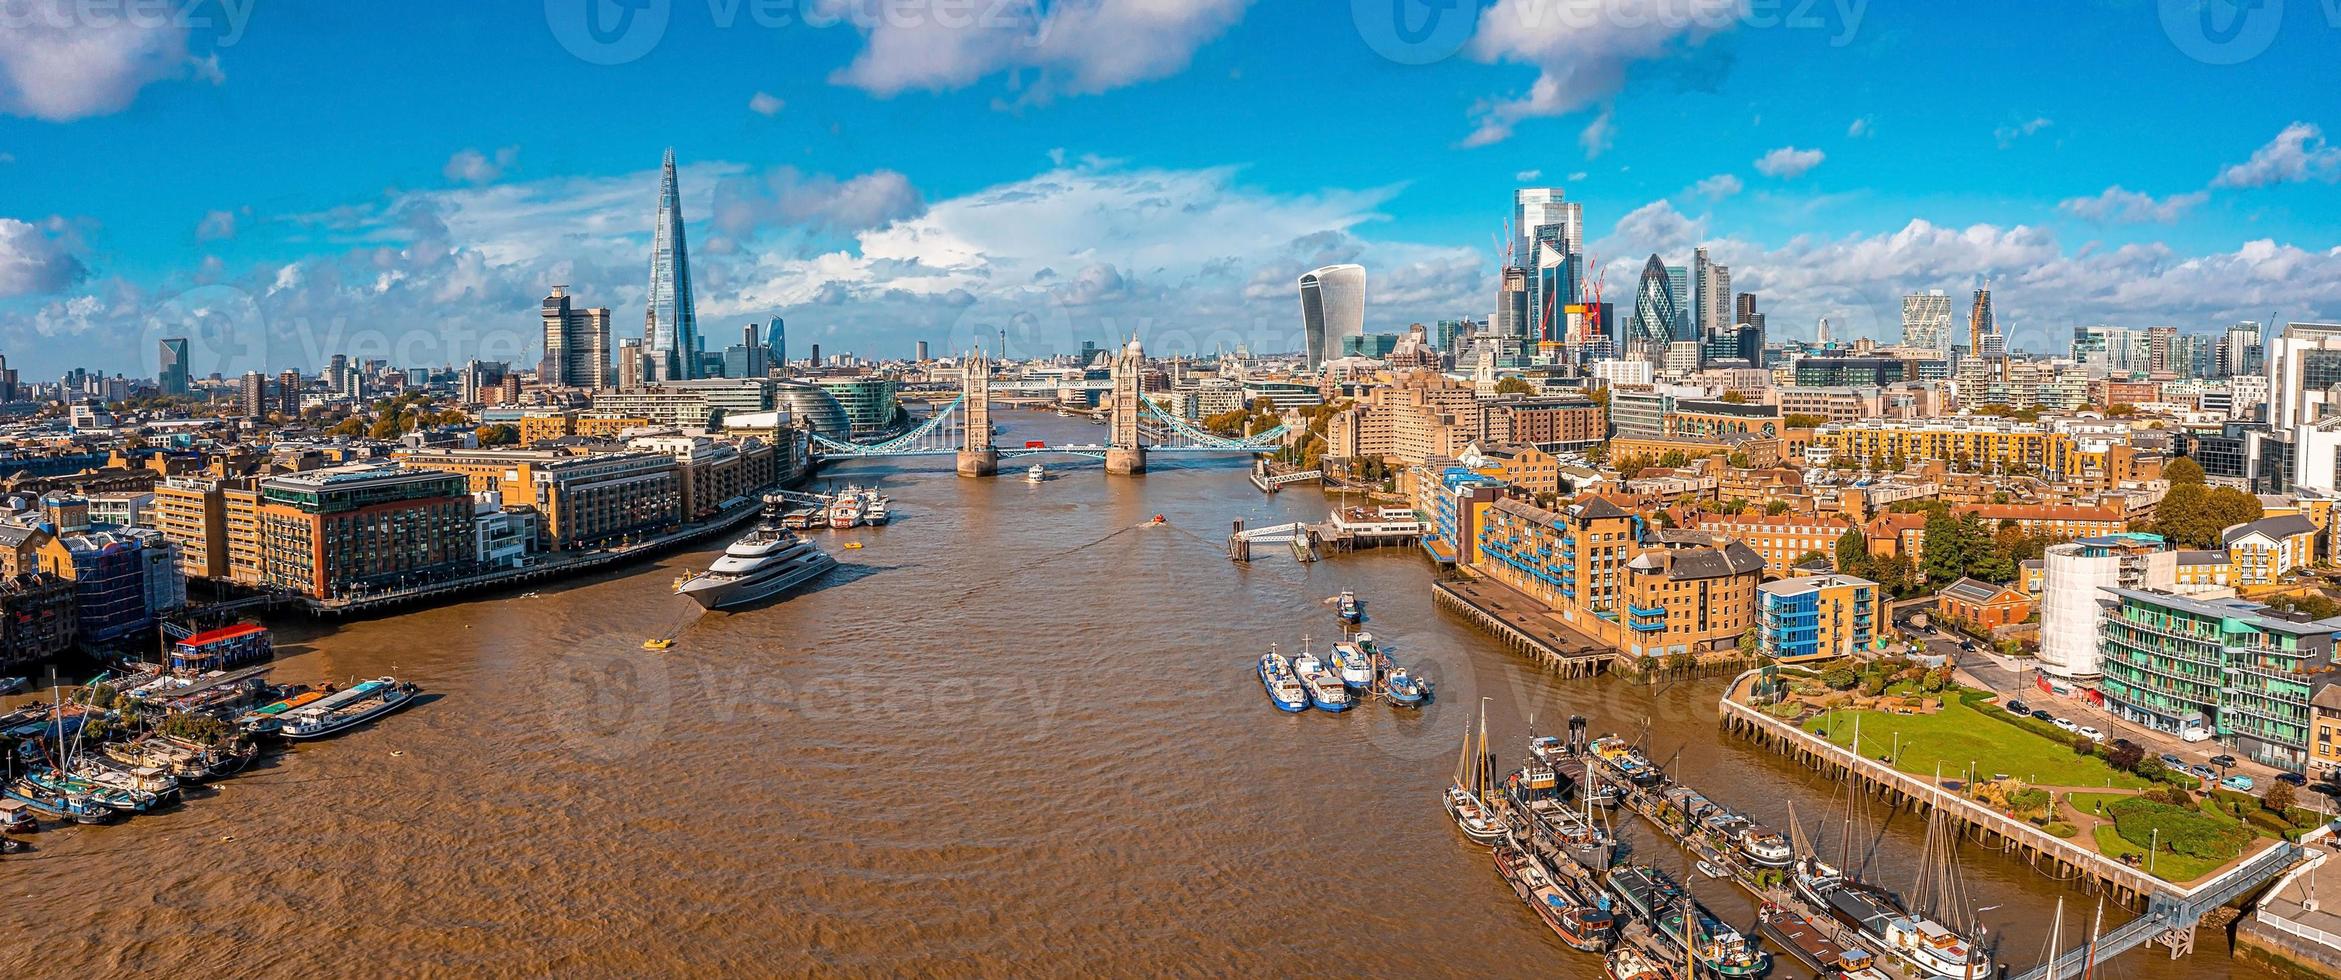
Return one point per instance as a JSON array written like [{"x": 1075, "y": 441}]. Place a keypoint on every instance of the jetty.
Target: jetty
[
  {"x": 1525, "y": 625},
  {"x": 1344, "y": 529}
]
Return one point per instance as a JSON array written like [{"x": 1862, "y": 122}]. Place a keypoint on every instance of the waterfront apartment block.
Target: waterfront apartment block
[
  {"x": 37, "y": 618},
  {"x": 1702, "y": 418},
  {"x": 1553, "y": 424},
  {"x": 1781, "y": 538},
  {"x": 1589, "y": 561},
  {"x": 1422, "y": 416},
  {"x": 2265, "y": 551},
  {"x": 1452, "y": 500},
  {"x": 584, "y": 499},
  {"x": 329, "y": 532},
  {"x": 2244, "y": 673},
  {"x": 1817, "y": 617},
  {"x": 1981, "y": 444},
  {"x": 714, "y": 475},
  {"x": 191, "y": 512}
]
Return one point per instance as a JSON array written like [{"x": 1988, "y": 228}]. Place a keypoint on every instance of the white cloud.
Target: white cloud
[
  {"x": 1526, "y": 176},
  {"x": 37, "y": 259},
  {"x": 765, "y": 104},
  {"x": 216, "y": 225},
  {"x": 2296, "y": 155},
  {"x": 746, "y": 204},
  {"x": 1788, "y": 162},
  {"x": 1576, "y": 176},
  {"x": 1861, "y": 127},
  {"x": 1718, "y": 187},
  {"x": 62, "y": 60},
  {"x": 2008, "y": 135},
  {"x": 1599, "y": 135},
  {"x": 1073, "y": 48},
  {"x": 1655, "y": 227},
  {"x": 474, "y": 167},
  {"x": 2119, "y": 204},
  {"x": 1581, "y": 51}
]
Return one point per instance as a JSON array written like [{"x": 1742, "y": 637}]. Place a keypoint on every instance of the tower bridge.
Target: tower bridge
[{"x": 1136, "y": 428}]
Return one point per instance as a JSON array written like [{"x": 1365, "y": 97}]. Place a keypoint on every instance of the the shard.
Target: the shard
[{"x": 670, "y": 328}]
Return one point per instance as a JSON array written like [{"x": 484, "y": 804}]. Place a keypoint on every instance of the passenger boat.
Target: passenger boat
[
  {"x": 186, "y": 761},
  {"x": 1284, "y": 688},
  {"x": 1406, "y": 690},
  {"x": 1357, "y": 672},
  {"x": 1626, "y": 761},
  {"x": 1466, "y": 798},
  {"x": 349, "y": 709},
  {"x": 1628, "y": 963},
  {"x": 1347, "y": 606},
  {"x": 1584, "y": 926},
  {"x": 1682, "y": 923},
  {"x": 877, "y": 514},
  {"x": 847, "y": 511},
  {"x": 768, "y": 561},
  {"x": 265, "y": 719},
  {"x": 1365, "y": 644},
  {"x": 802, "y": 519},
  {"x": 1036, "y": 474},
  {"x": 1325, "y": 690},
  {"x": 1812, "y": 942}
]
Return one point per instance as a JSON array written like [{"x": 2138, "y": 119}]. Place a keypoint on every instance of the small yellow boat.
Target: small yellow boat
[
  {"x": 853, "y": 546},
  {"x": 657, "y": 644}
]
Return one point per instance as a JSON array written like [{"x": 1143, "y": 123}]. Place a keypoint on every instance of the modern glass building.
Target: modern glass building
[
  {"x": 670, "y": 325},
  {"x": 1816, "y": 617},
  {"x": 1333, "y": 306},
  {"x": 2238, "y": 671},
  {"x": 869, "y": 403},
  {"x": 1657, "y": 306},
  {"x": 171, "y": 365}
]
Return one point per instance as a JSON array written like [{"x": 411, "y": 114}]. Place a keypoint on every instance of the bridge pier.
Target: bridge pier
[
  {"x": 1125, "y": 460},
  {"x": 979, "y": 462}
]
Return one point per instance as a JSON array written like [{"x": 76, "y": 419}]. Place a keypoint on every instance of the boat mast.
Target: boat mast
[
  {"x": 2089, "y": 963},
  {"x": 2056, "y": 935},
  {"x": 1479, "y": 762}
]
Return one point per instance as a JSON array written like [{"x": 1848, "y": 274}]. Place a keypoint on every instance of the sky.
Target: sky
[{"x": 285, "y": 181}]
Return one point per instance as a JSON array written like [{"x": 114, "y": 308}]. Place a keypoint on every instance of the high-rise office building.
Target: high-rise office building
[
  {"x": 577, "y": 344},
  {"x": 1540, "y": 207},
  {"x": 777, "y": 339},
  {"x": 2240, "y": 351},
  {"x": 338, "y": 376},
  {"x": 1333, "y": 306},
  {"x": 1656, "y": 309},
  {"x": 2159, "y": 342},
  {"x": 1452, "y": 332},
  {"x": 670, "y": 325},
  {"x": 631, "y": 360},
  {"x": 1981, "y": 322},
  {"x": 1714, "y": 292},
  {"x": 1686, "y": 302},
  {"x": 1926, "y": 320},
  {"x": 172, "y": 365},
  {"x": 922, "y": 352},
  {"x": 1510, "y": 317},
  {"x": 749, "y": 358}
]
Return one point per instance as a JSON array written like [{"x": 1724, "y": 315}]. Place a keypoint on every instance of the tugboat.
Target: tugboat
[
  {"x": 769, "y": 561},
  {"x": 1347, "y": 606},
  {"x": 1585, "y": 927},
  {"x": 1406, "y": 690},
  {"x": 1357, "y": 672},
  {"x": 1325, "y": 690},
  {"x": 1284, "y": 688}
]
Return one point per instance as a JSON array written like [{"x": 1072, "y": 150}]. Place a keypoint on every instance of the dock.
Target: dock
[
  {"x": 1525, "y": 625},
  {"x": 1343, "y": 530},
  {"x": 2169, "y": 913}
]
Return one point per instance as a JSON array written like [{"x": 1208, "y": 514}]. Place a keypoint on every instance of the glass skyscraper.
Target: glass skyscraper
[
  {"x": 172, "y": 373},
  {"x": 670, "y": 327},
  {"x": 1657, "y": 307}
]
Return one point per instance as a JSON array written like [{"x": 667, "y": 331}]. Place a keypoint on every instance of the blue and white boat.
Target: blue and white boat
[
  {"x": 1357, "y": 672},
  {"x": 1365, "y": 644},
  {"x": 1325, "y": 690},
  {"x": 349, "y": 709},
  {"x": 1349, "y": 609},
  {"x": 1406, "y": 690},
  {"x": 1284, "y": 687},
  {"x": 78, "y": 808}
]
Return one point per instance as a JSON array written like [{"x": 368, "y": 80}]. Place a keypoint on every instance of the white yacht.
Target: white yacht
[
  {"x": 770, "y": 560},
  {"x": 1036, "y": 474}
]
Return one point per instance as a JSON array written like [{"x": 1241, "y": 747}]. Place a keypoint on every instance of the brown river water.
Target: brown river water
[{"x": 1018, "y": 733}]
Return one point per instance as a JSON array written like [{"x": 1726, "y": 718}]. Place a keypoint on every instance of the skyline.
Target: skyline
[{"x": 908, "y": 183}]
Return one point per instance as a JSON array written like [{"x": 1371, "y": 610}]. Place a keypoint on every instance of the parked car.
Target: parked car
[
  {"x": 2042, "y": 714},
  {"x": 2123, "y": 743},
  {"x": 2294, "y": 778},
  {"x": 2064, "y": 723},
  {"x": 2090, "y": 733},
  {"x": 2173, "y": 761},
  {"x": 2200, "y": 771},
  {"x": 2195, "y": 735},
  {"x": 2223, "y": 761},
  {"x": 2238, "y": 782},
  {"x": 2327, "y": 789},
  {"x": 2019, "y": 707}
]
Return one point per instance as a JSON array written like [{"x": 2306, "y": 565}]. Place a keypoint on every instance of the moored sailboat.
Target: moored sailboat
[
  {"x": 1466, "y": 797},
  {"x": 1583, "y": 925}
]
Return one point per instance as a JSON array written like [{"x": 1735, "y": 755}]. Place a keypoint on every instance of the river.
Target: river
[{"x": 1017, "y": 733}]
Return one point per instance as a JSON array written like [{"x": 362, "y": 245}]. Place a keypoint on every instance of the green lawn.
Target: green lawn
[
  {"x": 2087, "y": 802},
  {"x": 1959, "y": 735},
  {"x": 2177, "y": 868}
]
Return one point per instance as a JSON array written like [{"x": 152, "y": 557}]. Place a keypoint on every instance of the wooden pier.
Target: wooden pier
[
  {"x": 1524, "y": 626},
  {"x": 2173, "y": 909}
]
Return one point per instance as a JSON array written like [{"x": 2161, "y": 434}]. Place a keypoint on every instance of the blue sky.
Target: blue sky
[{"x": 293, "y": 179}]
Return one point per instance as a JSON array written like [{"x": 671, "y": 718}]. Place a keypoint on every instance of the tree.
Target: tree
[
  {"x": 2183, "y": 470},
  {"x": 1514, "y": 385},
  {"x": 2083, "y": 744},
  {"x": 2121, "y": 409},
  {"x": 2278, "y": 798},
  {"x": 1734, "y": 398},
  {"x": 1803, "y": 420},
  {"x": 499, "y": 434},
  {"x": 1853, "y": 552},
  {"x": 1776, "y": 508},
  {"x": 2194, "y": 515}
]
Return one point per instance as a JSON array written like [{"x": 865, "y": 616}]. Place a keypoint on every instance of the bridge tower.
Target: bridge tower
[
  {"x": 977, "y": 456},
  {"x": 1124, "y": 453}
]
